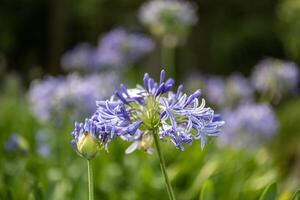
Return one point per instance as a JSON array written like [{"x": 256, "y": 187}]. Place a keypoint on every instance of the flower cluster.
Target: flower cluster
[
  {"x": 139, "y": 114},
  {"x": 77, "y": 58},
  {"x": 249, "y": 124},
  {"x": 40, "y": 96},
  {"x": 235, "y": 89},
  {"x": 168, "y": 19},
  {"x": 275, "y": 77},
  {"x": 73, "y": 95},
  {"x": 116, "y": 49},
  {"x": 119, "y": 48}
]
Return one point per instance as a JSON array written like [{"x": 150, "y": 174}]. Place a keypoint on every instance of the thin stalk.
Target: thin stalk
[
  {"x": 163, "y": 167},
  {"x": 168, "y": 59},
  {"x": 90, "y": 177},
  {"x": 295, "y": 195}
]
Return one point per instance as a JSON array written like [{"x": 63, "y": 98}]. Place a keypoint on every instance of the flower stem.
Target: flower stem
[
  {"x": 297, "y": 193},
  {"x": 90, "y": 177},
  {"x": 163, "y": 167},
  {"x": 168, "y": 59}
]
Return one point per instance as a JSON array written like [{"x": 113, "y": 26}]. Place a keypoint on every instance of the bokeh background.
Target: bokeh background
[{"x": 58, "y": 57}]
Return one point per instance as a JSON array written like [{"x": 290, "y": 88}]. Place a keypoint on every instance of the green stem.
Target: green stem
[
  {"x": 90, "y": 177},
  {"x": 296, "y": 194},
  {"x": 163, "y": 167},
  {"x": 168, "y": 59}
]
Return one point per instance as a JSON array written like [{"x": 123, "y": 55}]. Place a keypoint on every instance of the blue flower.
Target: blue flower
[
  {"x": 77, "y": 58},
  {"x": 136, "y": 114},
  {"x": 228, "y": 92},
  {"x": 89, "y": 137},
  {"x": 168, "y": 19},
  {"x": 249, "y": 124},
  {"x": 275, "y": 77},
  {"x": 116, "y": 49},
  {"x": 73, "y": 95},
  {"x": 41, "y": 95},
  {"x": 16, "y": 144},
  {"x": 119, "y": 48}
]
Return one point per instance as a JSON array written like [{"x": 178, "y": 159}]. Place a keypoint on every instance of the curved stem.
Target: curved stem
[
  {"x": 90, "y": 178},
  {"x": 296, "y": 194},
  {"x": 163, "y": 167}
]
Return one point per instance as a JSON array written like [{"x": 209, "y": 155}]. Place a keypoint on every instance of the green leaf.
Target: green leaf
[
  {"x": 207, "y": 191},
  {"x": 269, "y": 193},
  {"x": 297, "y": 194}
]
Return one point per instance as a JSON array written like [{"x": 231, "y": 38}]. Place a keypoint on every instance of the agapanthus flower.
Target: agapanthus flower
[
  {"x": 78, "y": 58},
  {"x": 16, "y": 143},
  {"x": 215, "y": 90},
  {"x": 168, "y": 19},
  {"x": 275, "y": 77},
  {"x": 40, "y": 96},
  {"x": 238, "y": 89},
  {"x": 120, "y": 48},
  {"x": 228, "y": 92},
  {"x": 137, "y": 114},
  {"x": 73, "y": 95},
  {"x": 249, "y": 124},
  {"x": 77, "y": 95},
  {"x": 88, "y": 138}
]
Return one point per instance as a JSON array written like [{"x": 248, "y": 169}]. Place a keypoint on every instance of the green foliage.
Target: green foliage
[
  {"x": 296, "y": 196},
  {"x": 207, "y": 191},
  {"x": 289, "y": 26},
  {"x": 269, "y": 193}
]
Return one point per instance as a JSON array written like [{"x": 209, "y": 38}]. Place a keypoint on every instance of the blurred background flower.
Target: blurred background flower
[
  {"x": 74, "y": 95},
  {"x": 249, "y": 125},
  {"x": 170, "y": 20},
  {"x": 275, "y": 78}
]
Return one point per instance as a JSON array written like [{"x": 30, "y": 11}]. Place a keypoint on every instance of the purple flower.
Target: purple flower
[
  {"x": 275, "y": 77},
  {"x": 77, "y": 95},
  {"x": 249, "y": 124},
  {"x": 119, "y": 48},
  {"x": 87, "y": 138},
  {"x": 17, "y": 143},
  {"x": 228, "y": 92},
  {"x": 77, "y": 58},
  {"x": 73, "y": 95},
  {"x": 215, "y": 90},
  {"x": 168, "y": 19},
  {"x": 238, "y": 89},
  {"x": 40, "y": 96},
  {"x": 136, "y": 114}
]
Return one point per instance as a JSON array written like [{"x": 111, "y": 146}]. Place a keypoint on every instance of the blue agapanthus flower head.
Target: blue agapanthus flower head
[
  {"x": 275, "y": 77},
  {"x": 168, "y": 19},
  {"x": 119, "y": 48},
  {"x": 136, "y": 114},
  {"x": 249, "y": 124},
  {"x": 229, "y": 91},
  {"x": 77, "y": 58}
]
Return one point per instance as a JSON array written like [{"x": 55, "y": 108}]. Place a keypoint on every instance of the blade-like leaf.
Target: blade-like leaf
[
  {"x": 207, "y": 191},
  {"x": 270, "y": 192}
]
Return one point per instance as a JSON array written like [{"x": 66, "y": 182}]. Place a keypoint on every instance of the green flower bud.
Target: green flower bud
[{"x": 88, "y": 146}]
